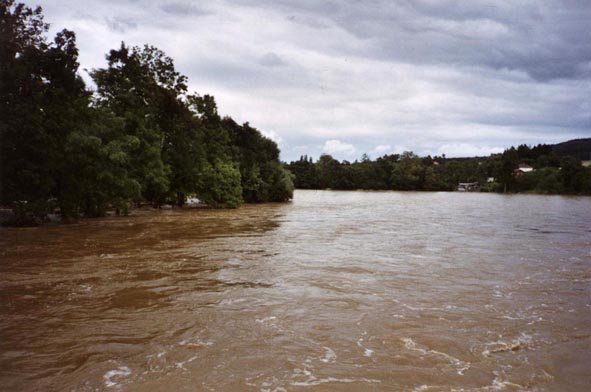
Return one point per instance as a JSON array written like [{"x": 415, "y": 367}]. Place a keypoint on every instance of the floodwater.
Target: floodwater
[{"x": 335, "y": 291}]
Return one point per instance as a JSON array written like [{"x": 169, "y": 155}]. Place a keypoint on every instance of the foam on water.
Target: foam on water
[
  {"x": 501, "y": 346},
  {"x": 195, "y": 343},
  {"x": 366, "y": 351},
  {"x": 265, "y": 320},
  {"x": 277, "y": 389},
  {"x": 329, "y": 356},
  {"x": 122, "y": 371},
  {"x": 497, "y": 384},
  {"x": 460, "y": 365},
  {"x": 181, "y": 364}
]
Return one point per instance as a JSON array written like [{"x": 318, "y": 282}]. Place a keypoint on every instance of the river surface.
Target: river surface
[{"x": 335, "y": 291}]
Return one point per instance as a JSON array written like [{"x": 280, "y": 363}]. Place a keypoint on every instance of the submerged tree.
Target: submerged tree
[
  {"x": 48, "y": 127},
  {"x": 263, "y": 177},
  {"x": 25, "y": 180},
  {"x": 139, "y": 137}
]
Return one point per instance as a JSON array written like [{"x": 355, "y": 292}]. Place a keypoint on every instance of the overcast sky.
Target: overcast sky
[{"x": 350, "y": 77}]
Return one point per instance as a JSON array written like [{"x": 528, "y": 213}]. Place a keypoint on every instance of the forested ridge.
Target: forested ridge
[
  {"x": 548, "y": 172},
  {"x": 578, "y": 148},
  {"x": 138, "y": 137}
]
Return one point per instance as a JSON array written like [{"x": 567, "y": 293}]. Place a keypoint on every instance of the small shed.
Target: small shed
[{"x": 468, "y": 186}]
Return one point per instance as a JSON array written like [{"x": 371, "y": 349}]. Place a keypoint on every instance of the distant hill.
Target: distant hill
[{"x": 578, "y": 148}]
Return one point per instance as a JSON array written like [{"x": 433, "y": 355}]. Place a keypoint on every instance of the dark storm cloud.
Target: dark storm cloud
[
  {"x": 183, "y": 9},
  {"x": 375, "y": 76},
  {"x": 546, "y": 39},
  {"x": 271, "y": 60},
  {"x": 120, "y": 25}
]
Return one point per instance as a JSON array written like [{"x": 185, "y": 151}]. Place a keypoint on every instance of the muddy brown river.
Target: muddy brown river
[{"x": 335, "y": 291}]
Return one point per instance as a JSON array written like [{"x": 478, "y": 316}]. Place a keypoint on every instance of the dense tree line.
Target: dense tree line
[
  {"x": 551, "y": 175},
  {"x": 139, "y": 137}
]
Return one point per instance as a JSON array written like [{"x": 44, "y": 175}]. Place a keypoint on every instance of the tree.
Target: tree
[
  {"x": 407, "y": 173},
  {"x": 221, "y": 185},
  {"x": 45, "y": 113},
  {"x": 140, "y": 137},
  {"x": 570, "y": 174},
  {"x": 505, "y": 168},
  {"x": 305, "y": 173},
  {"x": 25, "y": 183},
  {"x": 546, "y": 181},
  {"x": 329, "y": 172},
  {"x": 135, "y": 87},
  {"x": 263, "y": 177}
]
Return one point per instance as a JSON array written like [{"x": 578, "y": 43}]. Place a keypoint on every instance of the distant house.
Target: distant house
[
  {"x": 468, "y": 186},
  {"x": 490, "y": 179},
  {"x": 586, "y": 163},
  {"x": 435, "y": 163},
  {"x": 522, "y": 168}
]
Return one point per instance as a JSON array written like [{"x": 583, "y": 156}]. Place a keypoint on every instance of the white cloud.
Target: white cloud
[
  {"x": 467, "y": 150},
  {"x": 387, "y": 149},
  {"x": 400, "y": 149},
  {"x": 338, "y": 147},
  {"x": 383, "y": 149},
  {"x": 272, "y": 135}
]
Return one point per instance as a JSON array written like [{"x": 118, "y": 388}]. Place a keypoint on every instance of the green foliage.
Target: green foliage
[
  {"x": 504, "y": 169},
  {"x": 138, "y": 86},
  {"x": 407, "y": 172},
  {"x": 26, "y": 183},
  {"x": 263, "y": 177},
  {"x": 546, "y": 181},
  {"x": 278, "y": 184},
  {"x": 329, "y": 173},
  {"x": 283, "y": 189},
  {"x": 221, "y": 186},
  {"x": 410, "y": 172},
  {"x": 139, "y": 137},
  {"x": 569, "y": 173},
  {"x": 307, "y": 176}
]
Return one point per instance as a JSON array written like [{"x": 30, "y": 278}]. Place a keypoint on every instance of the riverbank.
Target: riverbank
[{"x": 8, "y": 217}]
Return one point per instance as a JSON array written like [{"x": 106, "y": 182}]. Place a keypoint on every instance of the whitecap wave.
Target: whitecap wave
[
  {"x": 461, "y": 366},
  {"x": 329, "y": 355},
  {"x": 122, "y": 371},
  {"x": 501, "y": 346}
]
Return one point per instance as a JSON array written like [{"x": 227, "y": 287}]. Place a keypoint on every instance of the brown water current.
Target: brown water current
[{"x": 335, "y": 291}]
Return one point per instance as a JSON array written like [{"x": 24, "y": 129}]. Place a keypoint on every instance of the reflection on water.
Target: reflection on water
[{"x": 342, "y": 291}]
